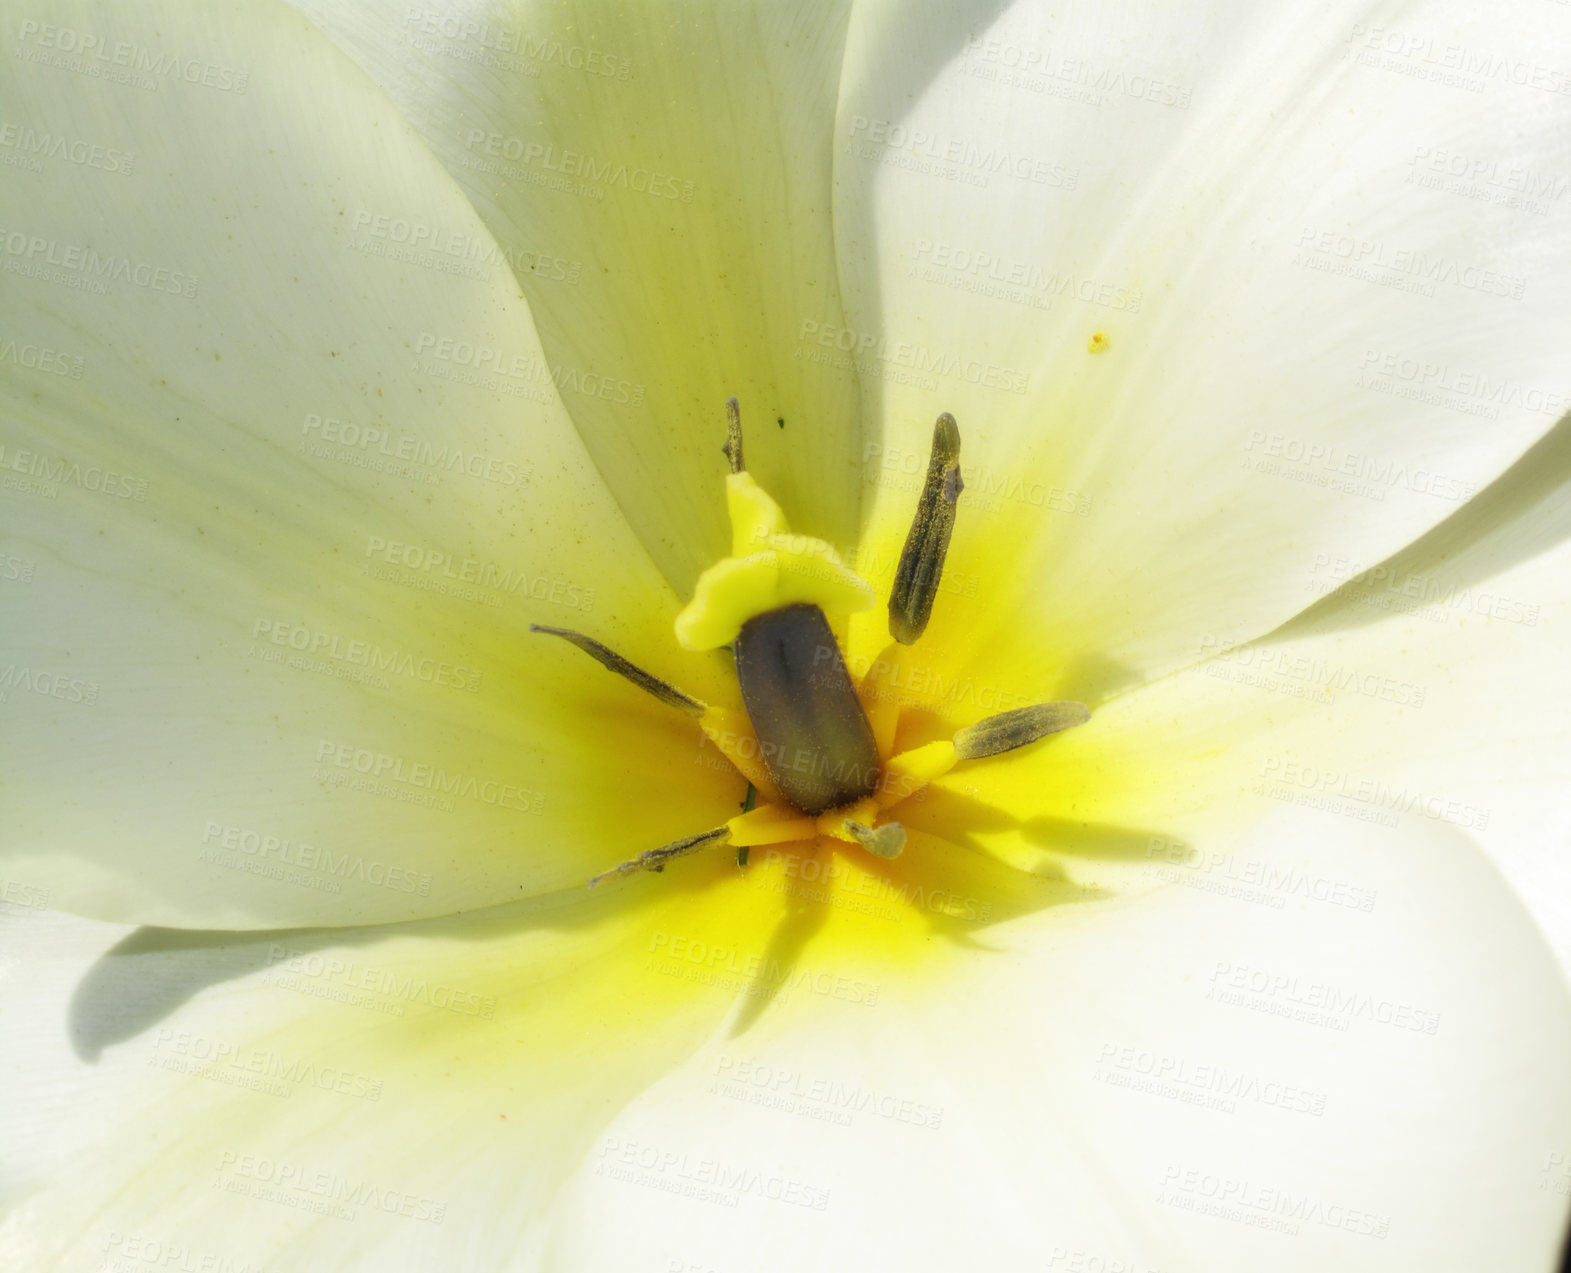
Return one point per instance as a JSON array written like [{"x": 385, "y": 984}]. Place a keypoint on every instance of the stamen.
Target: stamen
[
  {"x": 655, "y": 859},
  {"x": 886, "y": 842},
  {"x": 881, "y": 697},
  {"x": 733, "y": 434},
  {"x": 1024, "y": 725},
  {"x": 908, "y": 772},
  {"x": 770, "y": 824},
  {"x": 610, "y": 659},
  {"x": 922, "y": 559}
]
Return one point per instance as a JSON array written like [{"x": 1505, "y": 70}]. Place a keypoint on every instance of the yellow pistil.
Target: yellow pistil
[{"x": 768, "y": 568}]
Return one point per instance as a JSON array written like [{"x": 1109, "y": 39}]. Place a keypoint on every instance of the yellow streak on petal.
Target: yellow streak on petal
[{"x": 534, "y": 1025}]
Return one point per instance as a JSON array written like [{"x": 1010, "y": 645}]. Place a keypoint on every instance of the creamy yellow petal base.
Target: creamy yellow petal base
[
  {"x": 1319, "y": 339},
  {"x": 279, "y": 506},
  {"x": 659, "y": 174},
  {"x": 279, "y": 1098},
  {"x": 792, "y": 1061},
  {"x": 1413, "y": 693},
  {"x": 1191, "y": 1081}
]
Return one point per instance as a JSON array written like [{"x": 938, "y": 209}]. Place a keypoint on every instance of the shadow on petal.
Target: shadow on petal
[
  {"x": 926, "y": 39},
  {"x": 866, "y": 910},
  {"x": 868, "y": 913},
  {"x": 790, "y": 938},
  {"x": 147, "y": 977},
  {"x": 1092, "y": 678},
  {"x": 1522, "y": 513},
  {"x": 1054, "y": 837}
]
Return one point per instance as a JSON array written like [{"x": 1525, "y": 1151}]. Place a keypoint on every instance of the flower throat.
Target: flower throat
[{"x": 824, "y": 762}]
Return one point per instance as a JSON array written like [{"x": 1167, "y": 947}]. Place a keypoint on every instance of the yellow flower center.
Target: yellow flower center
[{"x": 826, "y": 757}]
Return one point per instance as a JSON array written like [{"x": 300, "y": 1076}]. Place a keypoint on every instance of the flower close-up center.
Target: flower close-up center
[
  {"x": 690, "y": 635},
  {"x": 825, "y": 757}
]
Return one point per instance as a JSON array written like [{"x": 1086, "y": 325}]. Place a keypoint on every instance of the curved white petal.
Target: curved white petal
[
  {"x": 673, "y": 161},
  {"x": 394, "y": 1099},
  {"x": 1326, "y": 248},
  {"x": 480, "y": 1092},
  {"x": 279, "y": 499},
  {"x": 1423, "y": 690},
  {"x": 1186, "y": 1082}
]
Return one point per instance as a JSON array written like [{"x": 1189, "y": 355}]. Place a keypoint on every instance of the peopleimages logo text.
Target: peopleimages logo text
[
  {"x": 88, "y": 48},
  {"x": 428, "y": 777},
  {"x": 78, "y": 258},
  {"x": 573, "y": 163},
  {"x": 984, "y": 157}
]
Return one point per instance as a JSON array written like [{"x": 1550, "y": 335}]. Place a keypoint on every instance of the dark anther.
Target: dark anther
[
  {"x": 609, "y": 658},
  {"x": 812, "y": 732},
  {"x": 656, "y": 859},
  {"x": 922, "y": 559},
  {"x": 886, "y": 842},
  {"x": 1024, "y": 725},
  {"x": 733, "y": 434}
]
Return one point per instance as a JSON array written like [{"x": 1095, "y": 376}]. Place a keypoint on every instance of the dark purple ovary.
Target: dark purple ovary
[{"x": 812, "y": 732}]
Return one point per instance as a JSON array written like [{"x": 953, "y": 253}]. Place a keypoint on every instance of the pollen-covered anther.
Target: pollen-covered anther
[
  {"x": 614, "y": 662},
  {"x": 906, "y": 773},
  {"x": 885, "y": 841},
  {"x": 733, "y": 435},
  {"x": 1019, "y": 728},
  {"x": 927, "y": 544},
  {"x": 656, "y": 859}
]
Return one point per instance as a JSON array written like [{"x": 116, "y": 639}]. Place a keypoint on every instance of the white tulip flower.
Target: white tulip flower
[{"x": 1178, "y": 879}]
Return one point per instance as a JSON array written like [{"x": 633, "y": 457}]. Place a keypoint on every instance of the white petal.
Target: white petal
[
  {"x": 1423, "y": 690},
  {"x": 280, "y": 499},
  {"x": 377, "y": 1099},
  {"x": 1332, "y": 312},
  {"x": 989, "y": 1088},
  {"x": 988, "y": 1070},
  {"x": 675, "y": 159},
  {"x": 1185, "y": 1082}
]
